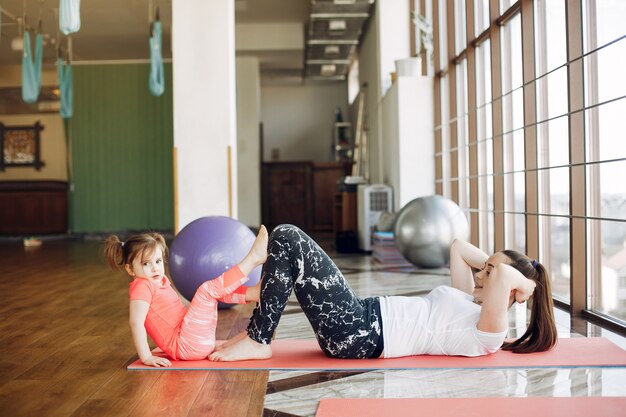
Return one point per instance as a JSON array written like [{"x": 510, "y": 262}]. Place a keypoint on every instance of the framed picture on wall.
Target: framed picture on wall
[{"x": 20, "y": 146}]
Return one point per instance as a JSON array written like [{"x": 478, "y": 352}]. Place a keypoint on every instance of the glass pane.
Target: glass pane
[
  {"x": 511, "y": 35},
  {"x": 462, "y": 128},
  {"x": 489, "y": 153},
  {"x": 520, "y": 233},
  {"x": 553, "y": 142},
  {"x": 483, "y": 74},
  {"x": 505, "y": 4},
  {"x": 550, "y": 35},
  {"x": 518, "y": 151},
  {"x": 520, "y": 192},
  {"x": 514, "y": 206},
  {"x": 609, "y": 287},
  {"x": 613, "y": 191},
  {"x": 552, "y": 95},
  {"x": 604, "y": 22},
  {"x": 460, "y": 41},
  {"x": 443, "y": 34},
  {"x": 481, "y": 16},
  {"x": 602, "y": 123},
  {"x": 445, "y": 135},
  {"x": 558, "y": 260},
  {"x": 554, "y": 193},
  {"x": 604, "y": 73},
  {"x": 518, "y": 109}
]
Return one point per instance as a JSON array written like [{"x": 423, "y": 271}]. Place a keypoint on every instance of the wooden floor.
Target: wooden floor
[{"x": 65, "y": 345}]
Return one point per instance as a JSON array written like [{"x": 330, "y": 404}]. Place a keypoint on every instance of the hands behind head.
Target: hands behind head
[{"x": 523, "y": 293}]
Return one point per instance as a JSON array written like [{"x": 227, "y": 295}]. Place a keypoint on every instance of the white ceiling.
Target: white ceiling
[{"x": 119, "y": 29}]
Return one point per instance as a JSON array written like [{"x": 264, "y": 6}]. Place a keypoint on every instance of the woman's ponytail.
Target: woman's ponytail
[{"x": 541, "y": 333}]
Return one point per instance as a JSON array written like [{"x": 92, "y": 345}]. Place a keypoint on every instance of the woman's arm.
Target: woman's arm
[
  {"x": 463, "y": 257},
  {"x": 501, "y": 288},
  {"x": 137, "y": 319}
]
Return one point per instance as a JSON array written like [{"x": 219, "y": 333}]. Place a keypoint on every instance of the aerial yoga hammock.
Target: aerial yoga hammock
[
  {"x": 31, "y": 69},
  {"x": 156, "y": 82},
  {"x": 69, "y": 16},
  {"x": 65, "y": 85}
]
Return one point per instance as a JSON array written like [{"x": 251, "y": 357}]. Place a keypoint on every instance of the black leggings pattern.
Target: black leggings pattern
[{"x": 345, "y": 325}]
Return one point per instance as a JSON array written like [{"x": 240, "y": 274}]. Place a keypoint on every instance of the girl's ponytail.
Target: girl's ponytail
[{"x": 114, "y": 252}]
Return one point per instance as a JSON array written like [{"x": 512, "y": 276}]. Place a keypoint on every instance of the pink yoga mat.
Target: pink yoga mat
[
  {"x": 306, "y": 355},
  {"x": 473, "y": 407}
]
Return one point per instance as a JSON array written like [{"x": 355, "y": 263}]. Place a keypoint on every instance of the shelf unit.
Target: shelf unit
[{"x": 343, "y": 144}]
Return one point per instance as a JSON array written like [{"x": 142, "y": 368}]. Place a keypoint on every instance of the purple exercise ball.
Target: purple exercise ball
[{"x": 205, "y": 249}]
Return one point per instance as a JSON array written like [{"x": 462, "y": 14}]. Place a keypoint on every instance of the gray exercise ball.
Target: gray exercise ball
[{"x": 425, "y": 228}]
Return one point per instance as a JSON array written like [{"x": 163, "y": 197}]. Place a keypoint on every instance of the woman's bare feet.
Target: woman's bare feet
[{"x": 243, "y": 349}]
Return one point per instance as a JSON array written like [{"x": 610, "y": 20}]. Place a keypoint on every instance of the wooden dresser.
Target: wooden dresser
[{"x": 33, "y": 207}]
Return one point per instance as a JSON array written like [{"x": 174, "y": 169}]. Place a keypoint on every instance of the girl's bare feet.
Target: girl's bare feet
[
  {"x": 257, "y": 254},
  {"x": 231, "y": 341},
  {"x": 259, "y": 247},
  {"x": 243, "y": 349}
]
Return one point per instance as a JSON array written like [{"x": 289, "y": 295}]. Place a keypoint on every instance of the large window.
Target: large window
[
  {"x": 605, "y": 107},
  {"x": 553, "y": 142},
  {"x": 531, "y": 97}
]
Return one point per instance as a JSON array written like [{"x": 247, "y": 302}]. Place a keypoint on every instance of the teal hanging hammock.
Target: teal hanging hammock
[
  {"x": 156, "y": 81},
  {"x": 31, "y": 69},
  {"x": 65, "y": 85},
  {"x": 69, "y": 16}
]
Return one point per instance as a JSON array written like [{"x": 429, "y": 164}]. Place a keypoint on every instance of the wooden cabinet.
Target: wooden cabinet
[
  {"x": 301, "y": 193},
  {"x": 33, "y": 207},
  {"x": 287, "y": 194}
]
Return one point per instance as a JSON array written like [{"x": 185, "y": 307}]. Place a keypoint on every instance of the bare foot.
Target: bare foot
[
  {"x": 243, "y": 349},
  {"x": 258, "y": 253},
  {"x": 259, "y": 247},
  {"x": 231, "y": 341}
]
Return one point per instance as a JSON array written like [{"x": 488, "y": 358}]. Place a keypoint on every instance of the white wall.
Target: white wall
[
  {"x": 248, "y": 145},
  {"x": 394, "y": 36},
  {"x": 408, "y": 123},
  {"x": 203, "y": 62},
  {"x": 298, "y": 120},
  {"x": 400, "y": 118}
]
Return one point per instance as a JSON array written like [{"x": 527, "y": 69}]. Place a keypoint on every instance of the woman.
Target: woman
[{"x": 468, "y": 319}]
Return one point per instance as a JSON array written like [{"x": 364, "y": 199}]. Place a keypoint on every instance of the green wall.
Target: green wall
[{"x": 121, "y": 144}]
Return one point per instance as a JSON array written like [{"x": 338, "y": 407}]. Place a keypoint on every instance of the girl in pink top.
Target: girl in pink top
[{"x": 156, "y": 309}]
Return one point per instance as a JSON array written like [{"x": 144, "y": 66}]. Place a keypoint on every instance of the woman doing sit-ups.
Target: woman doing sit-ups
[{"x": 470, "y": 318}]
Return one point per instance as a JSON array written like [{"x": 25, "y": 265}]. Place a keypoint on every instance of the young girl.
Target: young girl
[
  {"x": 467, "y": 319},
  {"x": 156, "y": 309}
]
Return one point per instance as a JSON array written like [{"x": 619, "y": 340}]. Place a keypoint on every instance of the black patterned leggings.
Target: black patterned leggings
[{"x": 345, "y": 325}]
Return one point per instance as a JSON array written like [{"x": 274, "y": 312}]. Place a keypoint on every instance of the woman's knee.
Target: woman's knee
[{"x": 285, "y": 231}]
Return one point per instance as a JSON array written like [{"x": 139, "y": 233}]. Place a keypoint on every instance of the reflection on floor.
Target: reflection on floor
[{"x": 292, "y": 393}]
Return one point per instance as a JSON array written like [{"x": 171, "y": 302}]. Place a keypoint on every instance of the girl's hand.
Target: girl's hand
[{"x": 157, "y": 362}]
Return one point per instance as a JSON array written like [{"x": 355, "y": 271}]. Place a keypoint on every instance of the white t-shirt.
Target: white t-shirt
[{"x": 441, "y": 323}]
